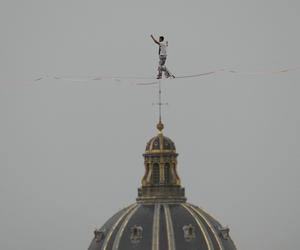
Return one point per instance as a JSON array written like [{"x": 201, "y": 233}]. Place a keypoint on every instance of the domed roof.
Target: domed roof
[
  {"x": 161, "y": 219},
  {"x": 160, "y": 143},
  {"x": 162, "y": 226}
]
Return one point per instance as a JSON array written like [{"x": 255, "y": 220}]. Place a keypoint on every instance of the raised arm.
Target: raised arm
[{"x": 154, "y": 40}]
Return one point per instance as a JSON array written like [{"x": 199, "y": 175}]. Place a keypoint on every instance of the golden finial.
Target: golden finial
[{"x": 160, "y": 126}]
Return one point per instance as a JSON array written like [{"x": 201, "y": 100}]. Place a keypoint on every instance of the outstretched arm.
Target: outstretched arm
[{"x": 154, "y": 40}]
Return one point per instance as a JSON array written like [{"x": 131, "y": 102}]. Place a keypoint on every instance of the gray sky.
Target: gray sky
[{"x": 71, "y": 153}]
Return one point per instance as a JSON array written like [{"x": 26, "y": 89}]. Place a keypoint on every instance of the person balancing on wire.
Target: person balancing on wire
[{"x": 162, "y": 52}]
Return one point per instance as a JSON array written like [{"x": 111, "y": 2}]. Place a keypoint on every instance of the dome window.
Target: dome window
[
  {"x": 156, "y": 144},
  {"x": 189, "y": 232},
  {"x": 167, "y": 173},
  {"x": 136, "y": 234},
  {"x": 224, "y": 232},
  {"x": 99, "y": 235},
  {"x": 155, "y": 174}
]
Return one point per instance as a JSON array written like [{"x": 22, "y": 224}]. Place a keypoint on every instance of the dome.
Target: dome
[
  {"x": 161, "y": 218},
  {"x": 162, "y": 226},
  {"x": 160, "y": 143}
]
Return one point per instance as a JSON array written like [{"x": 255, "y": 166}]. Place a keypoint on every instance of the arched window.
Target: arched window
[
  {"x": 167, "y": 173},
  {"x": 136, "y": 234},
  {"x": 155, "y": 174},
  {"x": 189, "y": 232}
]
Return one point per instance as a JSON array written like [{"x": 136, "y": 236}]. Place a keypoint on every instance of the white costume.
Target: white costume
[{"x": 162, "y": 60}]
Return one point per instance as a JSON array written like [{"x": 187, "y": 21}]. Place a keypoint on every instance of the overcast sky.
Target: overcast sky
[{"x": 71, "y": 153}]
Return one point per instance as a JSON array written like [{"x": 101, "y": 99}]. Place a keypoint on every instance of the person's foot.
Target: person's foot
[
  {"x": 168, "y": 75},
  {"x": 158, "y": 77}
]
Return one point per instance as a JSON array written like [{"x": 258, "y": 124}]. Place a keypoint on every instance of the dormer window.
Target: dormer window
[
  {"x": 189, "y": 232},
  {"x": 136, "y": 234},
  {"x": 224, "y": 232},
  {"x": 99, "y": 235},
  {"x": 156, "y": 144}
]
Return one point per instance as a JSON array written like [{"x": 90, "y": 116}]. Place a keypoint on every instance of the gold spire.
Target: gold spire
[{"x": 160, "y": 125}]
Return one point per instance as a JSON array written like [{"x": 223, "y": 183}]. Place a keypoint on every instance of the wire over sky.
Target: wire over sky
[{"x": 141, "y": 80}]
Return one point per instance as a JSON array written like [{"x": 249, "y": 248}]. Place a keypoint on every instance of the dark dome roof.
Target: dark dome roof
[
  {"x": 162, "y": 226},
  {"x": 161, "y": 219},
  {"x": 160, "y": 143}
]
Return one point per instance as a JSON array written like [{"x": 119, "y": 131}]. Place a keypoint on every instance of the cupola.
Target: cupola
[{"x": 161, "y": 181}]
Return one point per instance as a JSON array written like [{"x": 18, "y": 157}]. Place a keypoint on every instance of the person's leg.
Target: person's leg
[
  {"x": 168, "y": 73},
  {"x": 166, "y": 70},
  {"x": 159, "y": 72},
  {"x": 161, "y": 63}
]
